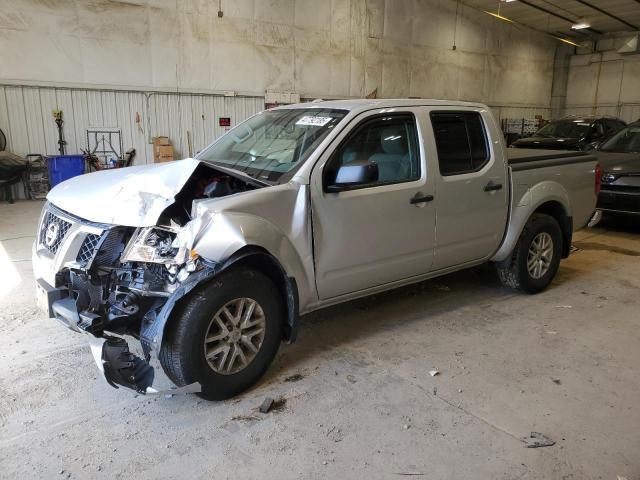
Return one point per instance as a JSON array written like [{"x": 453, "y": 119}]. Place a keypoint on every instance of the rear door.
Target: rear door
[
  {"x": 380, "y": 232},
  {"x": 471, "y": 186}
]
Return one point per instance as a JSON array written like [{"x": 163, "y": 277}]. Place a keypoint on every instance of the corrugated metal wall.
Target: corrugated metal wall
[{"x": 27, "y": 121}]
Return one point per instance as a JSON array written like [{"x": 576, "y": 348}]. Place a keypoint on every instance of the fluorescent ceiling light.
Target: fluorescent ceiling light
[
  {"x": 566, "y": 41},
  {"x": 497, "y": 15},
  {"x": 581, "y": 23}
]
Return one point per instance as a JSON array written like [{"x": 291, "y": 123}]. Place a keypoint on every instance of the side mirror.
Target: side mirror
[{"x": 353, "y": 175}]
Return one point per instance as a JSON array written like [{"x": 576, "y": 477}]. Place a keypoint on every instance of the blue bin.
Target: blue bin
[{"x": 64, "y": 167}]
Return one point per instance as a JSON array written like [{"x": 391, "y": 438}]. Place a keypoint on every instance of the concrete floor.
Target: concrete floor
[{"x": 563, "y": 363}]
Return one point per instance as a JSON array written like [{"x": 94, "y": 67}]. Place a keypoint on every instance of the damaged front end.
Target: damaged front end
[{"x": 111, "y": 281}]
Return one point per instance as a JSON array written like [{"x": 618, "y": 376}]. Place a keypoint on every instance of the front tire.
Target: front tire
[
  {"x": 536, "y": 257},
  {"x": 225, "y": 335}
]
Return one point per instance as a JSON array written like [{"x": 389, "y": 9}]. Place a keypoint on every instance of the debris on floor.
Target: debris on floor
[
  {"x": 271, "y": 405},
  {"x": 351, "y": 379},
  {"x": 266, "y": 405},
  {"x": 564, "y": 306},
  {"x": 296, "y": 377},
  {"x": 433, "y": 373},
  {"x": 245, "y": 418},
  {"x": 335, "y": 434},
  {"x": 410, "y": 474},
  {"x": 536, "y": 440},
  {"x": 556, "y": 381}
]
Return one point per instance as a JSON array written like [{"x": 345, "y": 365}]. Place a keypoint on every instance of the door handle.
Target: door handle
[
  {"x": 419, "y": 198},
  {"x": 492, "y": 187}
]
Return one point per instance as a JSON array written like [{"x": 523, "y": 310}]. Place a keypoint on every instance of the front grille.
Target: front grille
[
  {"x": 88, "y": 249},
  {"x": 111, "y": 247},
  {"x": 53, "y": 231}
]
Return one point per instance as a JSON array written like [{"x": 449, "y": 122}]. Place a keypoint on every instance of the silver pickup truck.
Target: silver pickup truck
[{"x": 210, "y": 261}]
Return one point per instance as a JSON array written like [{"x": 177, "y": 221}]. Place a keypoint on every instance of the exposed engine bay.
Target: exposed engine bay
[
  {"x": 126, "y": 280},
  {"x": 205, "y": 182}
]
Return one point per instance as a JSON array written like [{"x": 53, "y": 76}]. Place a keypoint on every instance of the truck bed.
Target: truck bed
[{"x": 529, "y": 158}]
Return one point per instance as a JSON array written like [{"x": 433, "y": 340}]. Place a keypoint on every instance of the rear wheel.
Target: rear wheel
[
  {"x": 536, "y": 257},
  {"x": 225, "y": 335}
]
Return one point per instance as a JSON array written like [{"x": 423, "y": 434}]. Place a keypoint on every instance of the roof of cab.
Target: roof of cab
[{"x": 369, "y": 104}]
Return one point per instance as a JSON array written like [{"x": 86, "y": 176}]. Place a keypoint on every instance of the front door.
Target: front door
[
  {"x": 383, "y": 231},
  {"x": 472, "y": 195}
]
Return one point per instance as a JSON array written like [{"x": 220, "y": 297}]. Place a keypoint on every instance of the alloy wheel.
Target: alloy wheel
[
  {"x": 540, "y": 255},
  {"x": 234, "y": 336}
]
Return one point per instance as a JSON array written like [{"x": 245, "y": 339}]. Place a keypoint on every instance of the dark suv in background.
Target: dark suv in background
[{"x": 574, "y": 133}]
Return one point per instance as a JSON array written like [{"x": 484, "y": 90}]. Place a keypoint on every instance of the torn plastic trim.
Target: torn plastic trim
[
  {"x": 155, "y": 320},
  {"x": 143, "y": 375},
  {"x": 118, "y": 365},
  {"x": 287, "y": 284}
]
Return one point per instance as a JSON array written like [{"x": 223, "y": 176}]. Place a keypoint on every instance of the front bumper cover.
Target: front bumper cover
[{"x": 118, "y": 364}]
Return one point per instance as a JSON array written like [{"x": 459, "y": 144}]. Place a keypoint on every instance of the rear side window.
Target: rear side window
[{"x": 461, "y": 142}]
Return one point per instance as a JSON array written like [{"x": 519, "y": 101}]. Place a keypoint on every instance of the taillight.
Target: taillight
[{"x": 598, "y": 178}]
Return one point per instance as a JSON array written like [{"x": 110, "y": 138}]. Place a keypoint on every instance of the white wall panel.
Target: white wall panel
[
  {"x": 94, "y": 107},
  {"x": 17, "y": 120},
  {"x": 317, "y": 48},
  {"x": 35, "y": 132},
  {"x": 26, "y": 118},
  {"x": 81, "y": 118},
  {"x": 4, "y": 116},
  {"x": 604, "y": 83}
]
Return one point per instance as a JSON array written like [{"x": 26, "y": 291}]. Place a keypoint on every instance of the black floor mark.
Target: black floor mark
[{"x": 607, "y": 248}]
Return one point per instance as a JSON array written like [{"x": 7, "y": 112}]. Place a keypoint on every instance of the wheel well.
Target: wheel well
[
  {"x": 557, "y": 211},
  {"x": 261, "y": 260}
]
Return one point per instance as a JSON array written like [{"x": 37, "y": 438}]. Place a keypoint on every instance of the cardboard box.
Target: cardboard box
[
  {"x": 161, "y": 141},
  {"x": 162, "y": 150},
  {"x": 163, "y": 153}
]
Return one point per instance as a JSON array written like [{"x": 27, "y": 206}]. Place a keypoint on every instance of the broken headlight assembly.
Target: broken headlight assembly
[{"x": 154, "y": 245}]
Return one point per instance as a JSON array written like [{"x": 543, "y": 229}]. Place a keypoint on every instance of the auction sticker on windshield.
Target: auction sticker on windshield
[{"x": 313, "y": 121}]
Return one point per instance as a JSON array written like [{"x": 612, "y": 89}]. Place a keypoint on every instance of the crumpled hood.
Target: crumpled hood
[{"x": 132, "y": 196}]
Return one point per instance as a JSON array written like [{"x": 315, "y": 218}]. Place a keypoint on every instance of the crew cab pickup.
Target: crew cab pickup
[{"x": 208, "y": 262}]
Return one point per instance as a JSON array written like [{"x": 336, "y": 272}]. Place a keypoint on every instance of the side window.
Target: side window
[
  {"x": 613, "y": 126},
  {"x": 461, "y": 142},
  {"x": 598, "y": 131},
  {"x": 388, "y": 141}
]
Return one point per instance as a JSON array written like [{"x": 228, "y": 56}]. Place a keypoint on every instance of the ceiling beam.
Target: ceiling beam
[
  {"x": 611, "y": 15},
  {"x": 557, "y": 15}
]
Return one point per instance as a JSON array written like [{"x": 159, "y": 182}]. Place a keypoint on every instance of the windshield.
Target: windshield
[
  {"x": 565, "y": 129},
  {"x": 626, "y": 140},
  {"x": 273, "y": 144}
]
